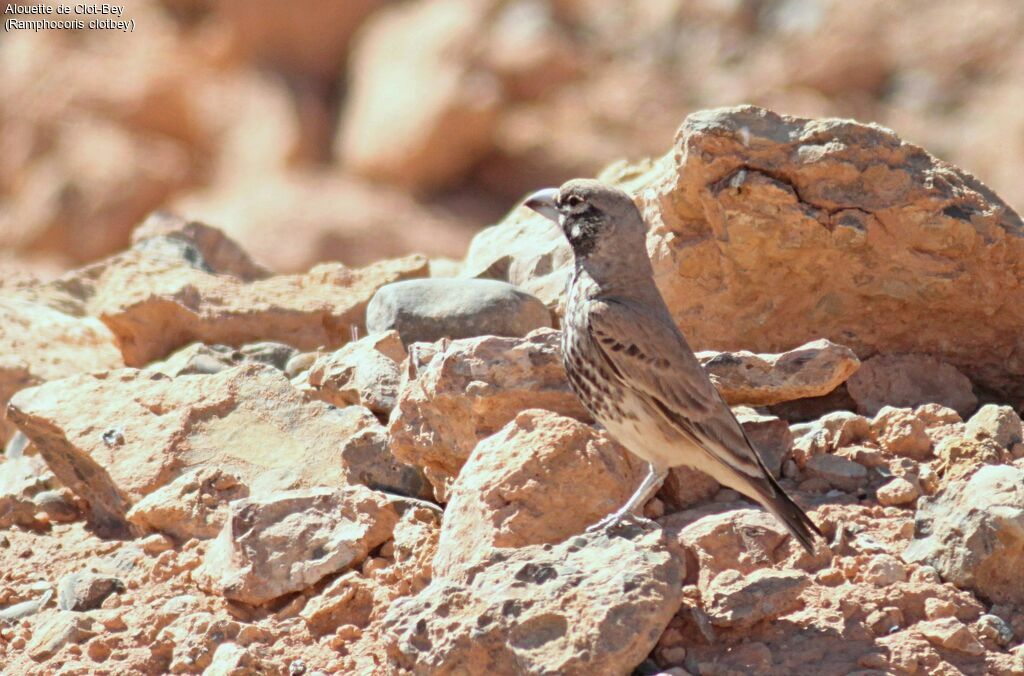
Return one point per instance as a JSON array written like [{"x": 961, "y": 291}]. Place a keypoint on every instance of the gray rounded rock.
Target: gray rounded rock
[{"x": 427, "y": 310}]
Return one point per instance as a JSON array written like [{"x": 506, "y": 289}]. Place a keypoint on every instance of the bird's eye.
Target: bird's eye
[{"x": 574, "y": 200}]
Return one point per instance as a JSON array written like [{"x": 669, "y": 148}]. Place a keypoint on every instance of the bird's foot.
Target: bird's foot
[{"x": 612, "y": 522}]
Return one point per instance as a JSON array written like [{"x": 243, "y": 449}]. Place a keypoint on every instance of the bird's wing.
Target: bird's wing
[{"x": 650, "y": 355}]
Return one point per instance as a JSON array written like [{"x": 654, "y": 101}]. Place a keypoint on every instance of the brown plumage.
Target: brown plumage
[{"x": 631, "y": 366}]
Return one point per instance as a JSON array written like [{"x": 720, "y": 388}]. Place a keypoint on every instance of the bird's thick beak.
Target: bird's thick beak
[{"x": 543, "y": 202}]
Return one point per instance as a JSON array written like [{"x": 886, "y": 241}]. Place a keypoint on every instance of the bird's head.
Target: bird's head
[{"x": 600, "y": 222}]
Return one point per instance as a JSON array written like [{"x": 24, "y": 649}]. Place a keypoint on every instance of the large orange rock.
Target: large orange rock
[
  {"x": 517, "y": 479},
  {"x": 595, "y": 603},
  {"x": 768, "y": 231},
  {"x": 468, "y": 390}
]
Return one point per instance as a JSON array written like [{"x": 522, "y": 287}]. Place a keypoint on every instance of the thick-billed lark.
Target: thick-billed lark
[{"x": 631, "y": 366}]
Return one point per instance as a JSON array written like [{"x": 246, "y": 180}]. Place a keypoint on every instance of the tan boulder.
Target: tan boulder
[
  {"x": 1001, "y": 424},
  {"x": 685, "y": 486},
  {"x": 910, "y": 380},
  {"x": 952, "y": 634},
  {"x": 363, "y": 372},
  {"x": 837, "y": 471},
  {"x": 811, "y": 370},
  {"x": 467, "y": 390},
  {"x": 901, "y": 431},
  {"x": 144, "y": 429},
  {"x": 740, "y": 601},
  {"x": 769, "y": 434},
  {"x": 960, "y": 456},
  {"x": 591, "y": 604},
  {"x": 527, "y": 252},
  {"x": 195, "y": 505},
  {"x": 290, "y": 540},
  {"x": 539, "y": 465},
  {"x": 367, "y": 459},
  {"x": 95, "y": 182},
  {"x": 740, "y": 539},
  {"x": 59, "y": 629},
  {"x": 898, "y": 491}
]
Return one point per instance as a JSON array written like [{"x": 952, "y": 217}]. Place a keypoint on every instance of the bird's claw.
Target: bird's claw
[{"x": 610, "y": 523}]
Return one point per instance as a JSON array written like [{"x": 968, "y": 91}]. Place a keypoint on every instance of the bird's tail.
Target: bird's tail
[{"x": 776, "y": 501}]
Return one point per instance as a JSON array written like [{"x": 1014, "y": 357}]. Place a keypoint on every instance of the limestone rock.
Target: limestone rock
[
  {"x": 685, "y": 486},
  {"x": 438, "y": 121},
  {"x": 769, "y": 434},
  {"x": 972, "y": 532},
  {"x": 59, "y": 505},
  {"x": 902, "y": 432},
  {"x": 231, "y": 659},
  {"x": 347, "y": 599},
  {"x": 176, "y": 287},
  {"x": 589, "y": 603},
  {"x": 742, "y": 539},
  {"x": 961, "y": 456},
  {"x": 85, "y": 591},
  {"x": 1001, "y": 424},
  {"x": 516, "y": 479},
  {"x": 19, "y": 611},
  {"x": 427, "y": 310},
  {"x": 189, "y": 642},
  {"x": 883, "y": 570},
  {"x": 910, "y": 380},
  {"x": 952, "y": 634},
  {"x": 195, "y": 505},
  {"x": 838, "y": 471},
  {"x": 145, "y": 429},
  {"x": 58, "y": 630},
  {"x": 528, "y": 252},
  {"x": 21, "y": 480},
  {"x": 288, "y": 541},
  {"x": 811, "y": 370},
  {"x": 366, "y": 458},
  {"x": 468, "y": 390},
  {"x": 178, "y": 237},
  {"x": 898, "y": 491},
  {"x": 735, "y": 600},
  {"x": 827, "y": 434},
  {"x": 363, "y": 372}
]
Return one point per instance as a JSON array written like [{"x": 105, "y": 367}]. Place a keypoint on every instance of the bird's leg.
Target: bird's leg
[{"x": 647, "y": 488}]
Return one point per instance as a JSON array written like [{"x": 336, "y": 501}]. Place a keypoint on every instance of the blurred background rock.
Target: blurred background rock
[{"x": 356, "y": 129}]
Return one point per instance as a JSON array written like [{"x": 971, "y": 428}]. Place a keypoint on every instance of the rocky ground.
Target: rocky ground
[{"x": 214, "y": 469}]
